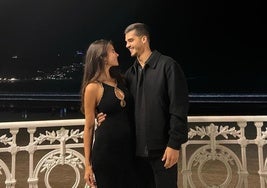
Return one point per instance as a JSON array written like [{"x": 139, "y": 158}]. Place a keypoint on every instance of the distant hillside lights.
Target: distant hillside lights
[
  {"x": 8, "y": 80},
  {"x": 66, "y": 72},
  {"x": 69, "y": 71}
]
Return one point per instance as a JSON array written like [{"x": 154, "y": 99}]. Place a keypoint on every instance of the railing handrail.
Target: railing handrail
[
  {"x": 238, "y": 118},
  {"x": 40, "y": 123},
  {"x": 51, "y": 123}
]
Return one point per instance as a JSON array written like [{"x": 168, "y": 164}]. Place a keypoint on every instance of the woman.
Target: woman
[{"x": 108, "y": 150}]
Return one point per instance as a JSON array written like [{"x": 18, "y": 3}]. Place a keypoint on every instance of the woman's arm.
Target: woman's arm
[{"x": 90, "y": 102}]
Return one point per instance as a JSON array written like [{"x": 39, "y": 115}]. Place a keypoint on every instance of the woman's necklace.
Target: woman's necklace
[{"x": 120, "y": 95}]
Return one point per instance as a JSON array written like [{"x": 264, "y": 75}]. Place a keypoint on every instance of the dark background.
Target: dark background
[{"x": 221, "y": 46}]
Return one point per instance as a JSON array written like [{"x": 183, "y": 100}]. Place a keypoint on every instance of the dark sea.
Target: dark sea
[
  {"x": 40, "y": 86},
  {"x": 60, "y": 99}
]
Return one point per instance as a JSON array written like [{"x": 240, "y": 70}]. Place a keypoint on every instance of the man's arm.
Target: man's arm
[{"x": 179, "y": 106}]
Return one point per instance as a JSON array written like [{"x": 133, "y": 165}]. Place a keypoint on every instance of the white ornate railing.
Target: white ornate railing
[
  {"x": 222, "y": 151},
  {"x": 61, "y": 141},
  {"x": 219, "y": 157}
]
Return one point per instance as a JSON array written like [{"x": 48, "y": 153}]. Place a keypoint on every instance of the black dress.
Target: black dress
[{"x": 113, "y": 148}]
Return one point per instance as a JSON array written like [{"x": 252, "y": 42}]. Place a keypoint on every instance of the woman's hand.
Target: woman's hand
[{"x": 89, "y": 177}]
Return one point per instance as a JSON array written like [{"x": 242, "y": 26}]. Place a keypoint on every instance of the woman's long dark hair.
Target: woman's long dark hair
[{"x": 94, "y": 65}]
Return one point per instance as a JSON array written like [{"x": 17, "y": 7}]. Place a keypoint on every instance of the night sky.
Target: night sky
[{"x": 219, "y": 42}]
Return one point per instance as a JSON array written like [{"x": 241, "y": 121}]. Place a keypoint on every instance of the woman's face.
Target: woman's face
[{"x": 112, "y": 56}]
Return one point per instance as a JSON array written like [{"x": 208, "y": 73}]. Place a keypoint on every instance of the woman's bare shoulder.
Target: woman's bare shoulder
[{"x": 93, "y": 86}]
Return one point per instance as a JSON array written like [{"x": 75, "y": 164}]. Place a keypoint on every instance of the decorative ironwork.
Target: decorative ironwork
[
  {"x": 213, "y": 130},
  {"x": 6, "y": 140},
  {"x": 212, "y": 143}
]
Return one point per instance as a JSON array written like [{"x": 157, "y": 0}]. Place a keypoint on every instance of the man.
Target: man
[{"x": 160, "y": 93}]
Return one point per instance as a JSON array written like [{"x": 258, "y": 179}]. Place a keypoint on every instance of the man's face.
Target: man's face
[{"x": 133, "y": 43}]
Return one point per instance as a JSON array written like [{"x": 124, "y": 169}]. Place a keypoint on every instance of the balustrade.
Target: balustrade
[{"x": 222, "y": 151}]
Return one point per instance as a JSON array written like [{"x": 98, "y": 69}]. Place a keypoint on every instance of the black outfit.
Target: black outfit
[
  {"x": 112, "y": 152},
  {"x": 161, "y": 106}
]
